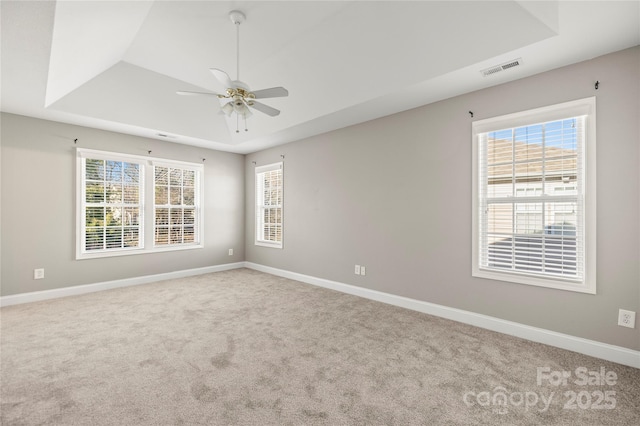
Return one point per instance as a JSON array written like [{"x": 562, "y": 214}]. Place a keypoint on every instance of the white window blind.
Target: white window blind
[
  {"x": 531, "y": 214},
  {"x": 269, "y": 200},
  {"x": 177, "y": 205},
  {"x": 111, "y": 204}
]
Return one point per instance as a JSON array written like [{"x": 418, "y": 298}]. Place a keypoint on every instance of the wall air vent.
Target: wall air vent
[{"x": 502, "y": 67}]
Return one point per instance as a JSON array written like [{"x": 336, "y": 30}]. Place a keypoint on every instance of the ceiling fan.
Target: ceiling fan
[{"x": 240, "y": 96}]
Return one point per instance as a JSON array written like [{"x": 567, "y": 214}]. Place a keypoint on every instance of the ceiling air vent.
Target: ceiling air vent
[
  {"x": 165, "y": 135},
  {"x": 502, "y": 67}
]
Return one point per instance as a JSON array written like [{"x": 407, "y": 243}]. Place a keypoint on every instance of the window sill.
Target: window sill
[
  {"x": 268, "y": 244},
  {"x": 520, "y": 278},
  {"x": 136, "y": 251}
]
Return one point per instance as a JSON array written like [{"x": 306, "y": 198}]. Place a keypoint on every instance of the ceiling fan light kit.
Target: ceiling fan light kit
[{"x": 238, "y": 92}]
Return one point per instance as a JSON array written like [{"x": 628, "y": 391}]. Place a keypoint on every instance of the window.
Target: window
[
  {"x": 269, "y": 194},
  {"x": 176, "y": 206},
  {"x": 113, "y": 191},
  {"x": 534, "y": 197},
  {"x": 111, "y": 207}
]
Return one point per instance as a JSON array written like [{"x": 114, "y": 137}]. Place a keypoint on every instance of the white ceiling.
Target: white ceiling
[{"x": 116, "y": 65}]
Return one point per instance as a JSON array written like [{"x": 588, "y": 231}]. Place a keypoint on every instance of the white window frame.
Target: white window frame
[
  {"x": 587, "y": 196},
  {"x": 198, "y": 235},
  {"x": 146, "y": 205},
  {"x": 260, "y": 206}
]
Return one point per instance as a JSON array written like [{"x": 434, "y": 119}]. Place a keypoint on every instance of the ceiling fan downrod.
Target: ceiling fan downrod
[{"x": 237, "y": 18}]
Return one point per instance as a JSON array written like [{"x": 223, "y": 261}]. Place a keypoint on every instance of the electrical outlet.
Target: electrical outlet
[
  {"x": 38, "y": 274},
  {"x": 363, "y": 270},
  {"x": 357, "y": 271},
  {"x": 230, "y": 252},
  {"x": 627, "y": 318}
]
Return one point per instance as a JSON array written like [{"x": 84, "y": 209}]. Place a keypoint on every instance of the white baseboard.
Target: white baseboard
[
  {"x": 592, "y": 348},
  {"x": 107, "y": 285}
]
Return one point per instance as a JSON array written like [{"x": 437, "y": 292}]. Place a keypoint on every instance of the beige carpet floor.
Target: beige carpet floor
[{"x": 245, "y": 348}]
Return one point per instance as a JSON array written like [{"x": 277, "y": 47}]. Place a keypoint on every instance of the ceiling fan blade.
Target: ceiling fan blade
[
  {"x": 274, "y": 92},
  {"x": 264, "y": 108},
  {"x": 186, "y": 92},
  {"x": 222, "y": 77}
]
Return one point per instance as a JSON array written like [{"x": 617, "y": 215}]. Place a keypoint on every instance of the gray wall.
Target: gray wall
[
  {"x": 38, "y": 206},
  {"x": 394, "y": 194}
]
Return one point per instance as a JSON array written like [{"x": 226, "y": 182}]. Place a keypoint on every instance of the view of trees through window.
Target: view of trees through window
[
  {"x": 121, "y": 196},
  {"x": 112, "y": 204},
  {"x": 175, "y": 206}
]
